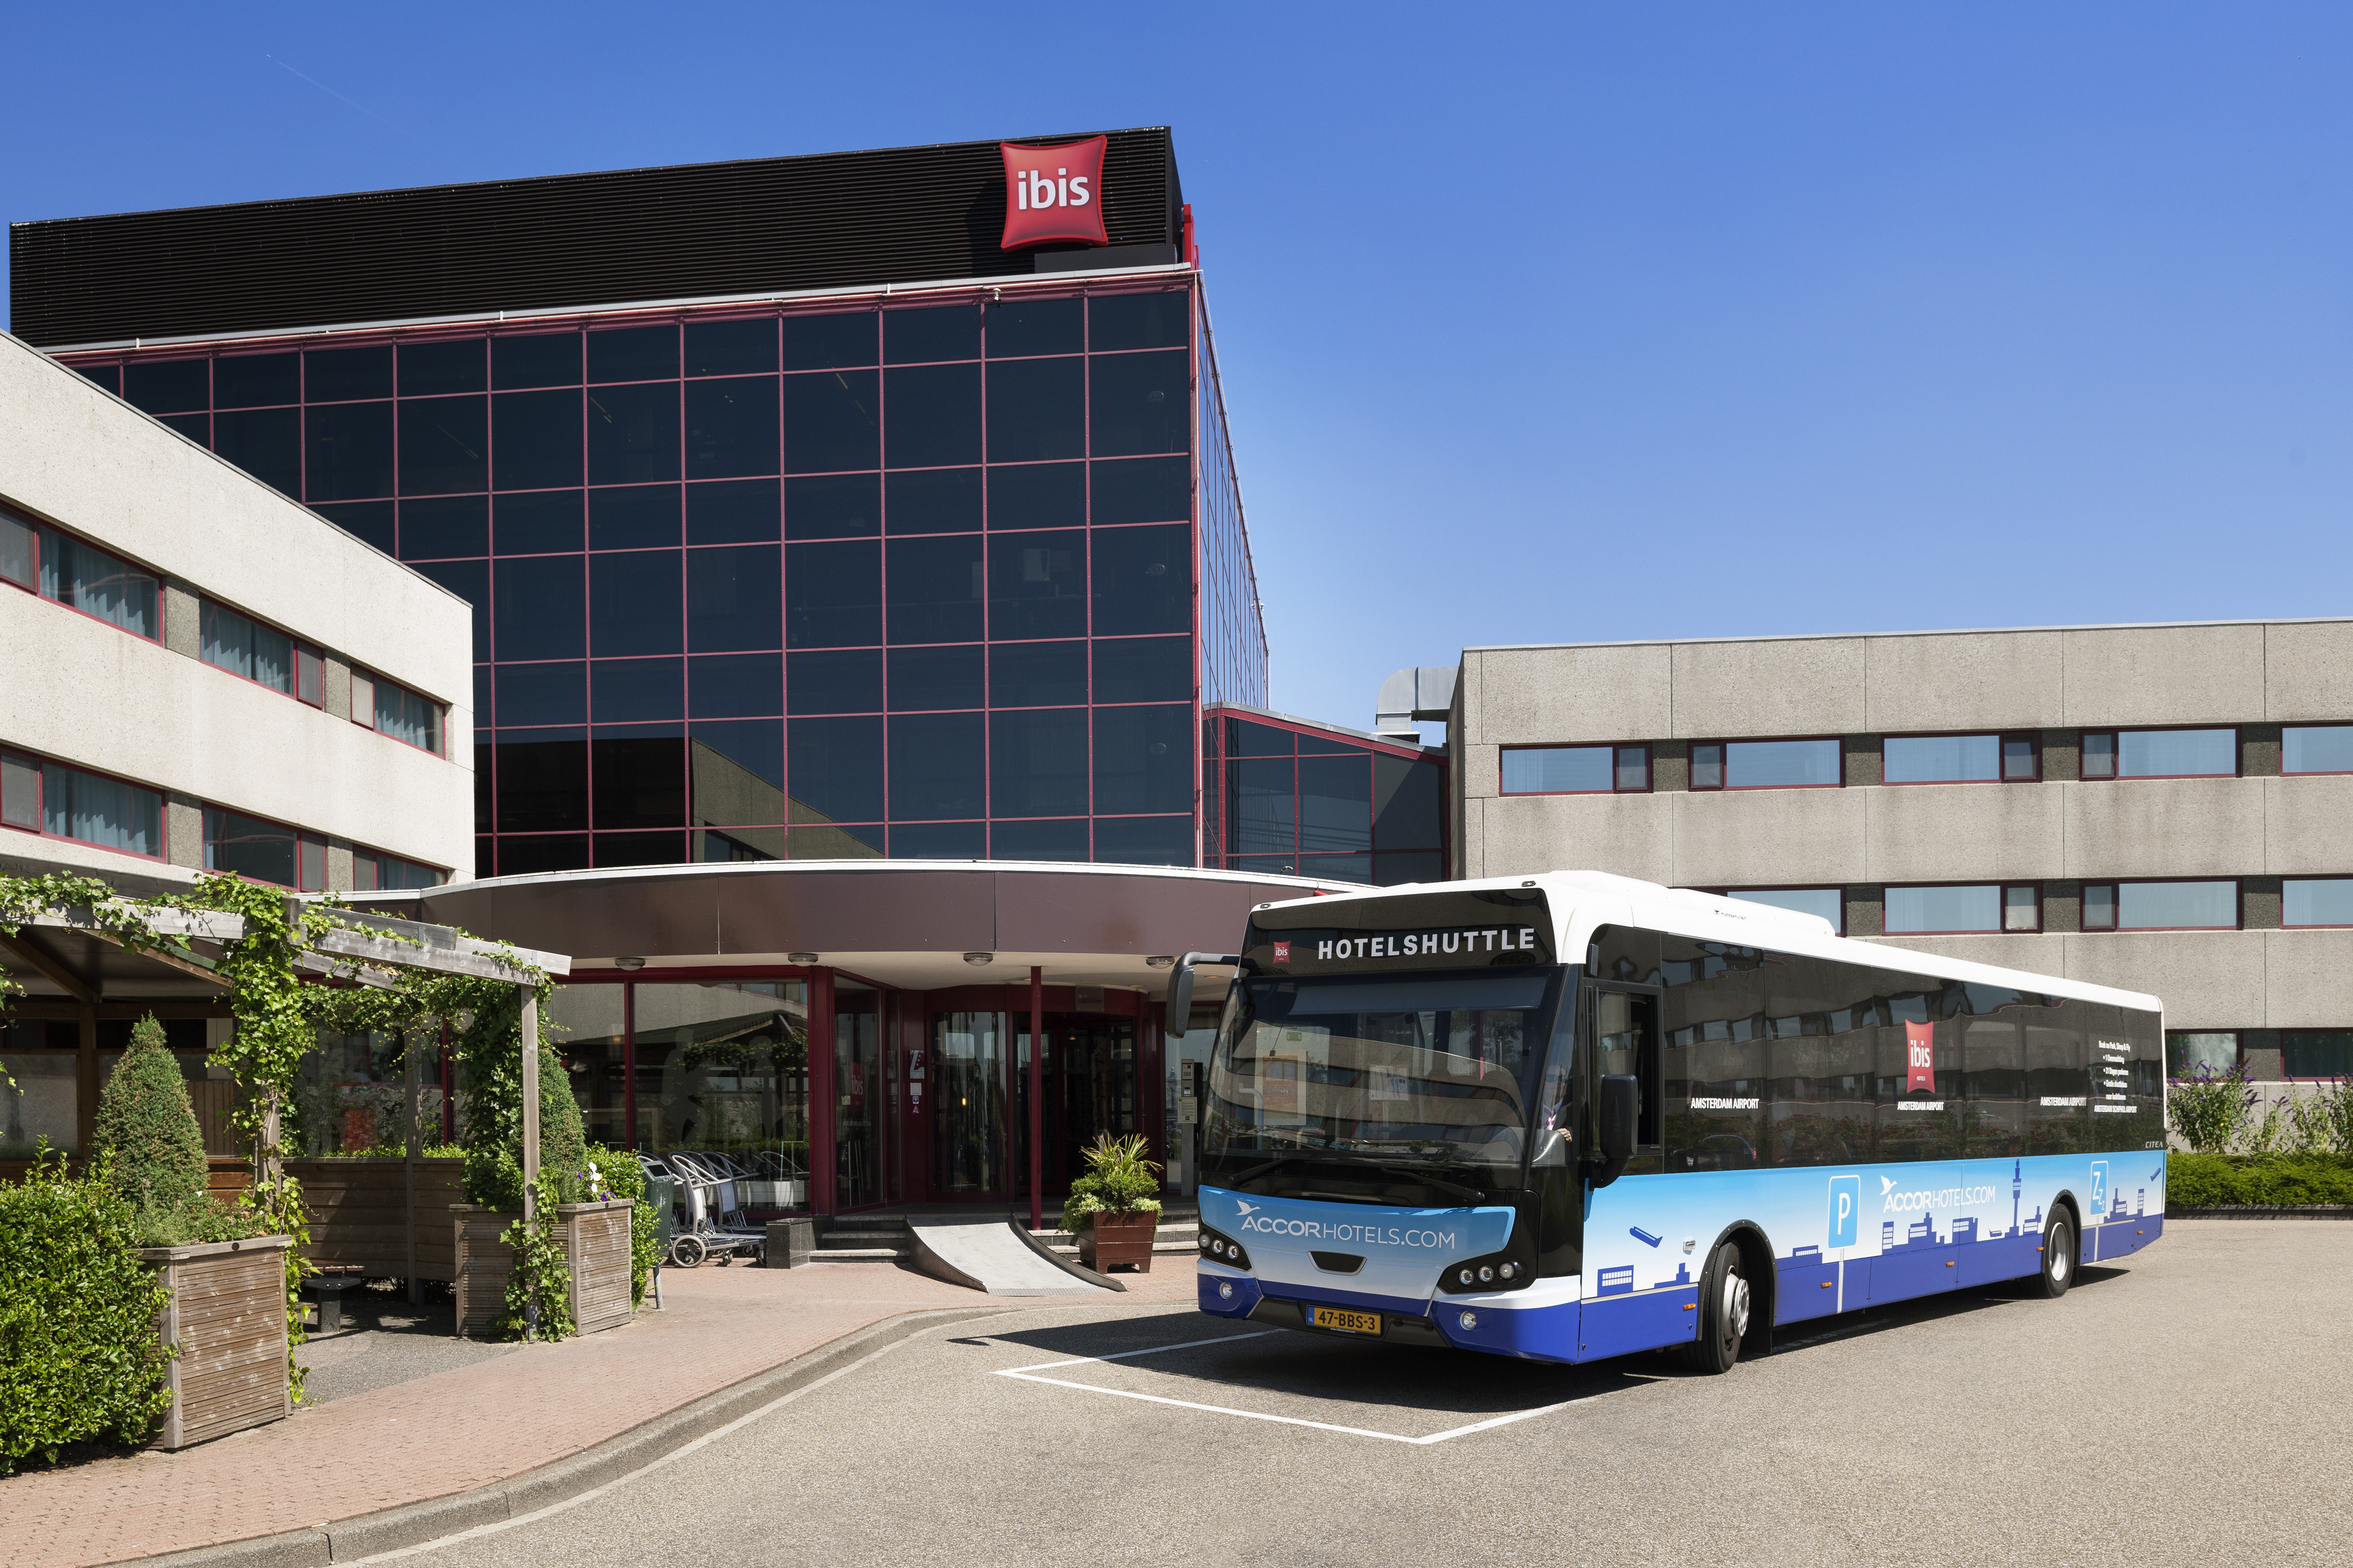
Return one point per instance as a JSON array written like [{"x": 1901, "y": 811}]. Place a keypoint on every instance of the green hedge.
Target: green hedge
[
  {"x": 2216, "y": 1181},
  {"x": 78, "y": 1355}
]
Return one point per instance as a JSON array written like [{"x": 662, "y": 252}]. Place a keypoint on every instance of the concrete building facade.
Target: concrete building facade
[{"x": 2158, "y": 808}]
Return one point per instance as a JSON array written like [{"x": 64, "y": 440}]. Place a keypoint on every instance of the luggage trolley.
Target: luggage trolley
[{"x": 704, "y": 1213}]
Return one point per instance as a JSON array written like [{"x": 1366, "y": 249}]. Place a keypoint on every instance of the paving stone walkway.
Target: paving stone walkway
[{"x": 475, "y": 1425}]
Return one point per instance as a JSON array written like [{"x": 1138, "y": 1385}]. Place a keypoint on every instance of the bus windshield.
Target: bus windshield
[{"x": 1428, "y": 1074}]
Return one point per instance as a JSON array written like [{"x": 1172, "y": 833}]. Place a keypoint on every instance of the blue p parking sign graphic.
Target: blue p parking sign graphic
[{"x": 1846, "y": 1202}]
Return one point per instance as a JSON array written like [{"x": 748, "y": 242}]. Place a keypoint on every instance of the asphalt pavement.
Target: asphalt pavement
[{"x": 2191, "y": 1407}]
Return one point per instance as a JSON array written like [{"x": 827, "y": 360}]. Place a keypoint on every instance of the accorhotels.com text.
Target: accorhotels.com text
[{"x": 1364, "y": 1234}]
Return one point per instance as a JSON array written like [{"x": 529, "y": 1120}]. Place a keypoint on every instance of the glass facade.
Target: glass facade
[
  {"x": 1296, "y": 800},
  {"x": 785, "y": 582}
]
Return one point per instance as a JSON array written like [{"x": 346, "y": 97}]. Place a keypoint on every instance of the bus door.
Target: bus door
[{"x": 1639, "y": 1281}]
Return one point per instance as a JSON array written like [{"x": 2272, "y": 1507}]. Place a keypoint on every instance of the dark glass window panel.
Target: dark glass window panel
[
  {"x": 247, "y": 846},
  {"x": 444, "y": 445},
  {"x": 833, "y": 594},
  {"x": 834, "y": 506},
  {"x": 1244, "y": 739},
  {"x": 735, "y": 686},
  {"x": 731, "y": 428},
  {"x": 1143, "y": 840},
  {"x": 937, "y": 589},
  {"x": 1143, "y": 489},
  {"x": 530, "y": 695},
  {"x": 1143, "y": 669},
  {"x": 1313, "y": 741},
  {"x": 368, "y": 520},
  {"x": 1036, "y": 674},
  {"x": 266, "y": 443},
  {"x": 934, "y": 500},
  {"x": 732, "y": 511},
  {"x": 731, "y": 602},
  {"x": 632, "y": 434},
  {"x": 1044, "y": 841},
  {"x": 737, "y": 770},
  {"x": 931, "y": 678},
  {"x": 830, "y": 422},
  {"x": 639, "y": 849},
  {"x": 197, "y": 427},
  {"x": 731, "y": 348},
  {"x": 350, "y": 452},
  {"x": 1143, "y": 578},
  {"x": 829, "y": 342},
  {"x": 340, "y": 375},
  {"x": 831, "y": 842},
  {"x": 1144, "y": 759},
  {"x": 1036, "y": 409},
  {"x": 540, "y": 358},
  {"x": 837, "y": 768},
  {"x": 1420, "y": 865},
  {"x": 637, "y": 690},
  {"x": 251, "y": 381},
  {"x": 633, "y": 354},
  {"x": 1038, "y": 761},
  {"x": 542, "y": 783},
  {"x": 943, "y": 331},
  {"x": 109, "y": 376},
  {"x": 938, "y": 766},
  {"x": 485, "y": 701},
  {"x": 167, "y": 386},
  {"x": 940, "y": 841},
  {"x": 640, "y": 780},
  {"x": 528, "y": 857},
  {"x": 445, "y": 526},
  {"x": 539, "y": 523},
  {"x": 538, "y": 437},
  {"x": 1037, "y": 584},
  {"x": 1139, "y": 404},
  {"x": 486, "y": 800},
  {"x": 1263, "y": 806},
  {"x": 1139, "y": 320},
  {"x": 633, "y": 603},
  {"x": 1035, "y": 327},
  {"x": 934, "y": 416},
  {"x": 431, "y": 369},
  {"x": 1336, "y": 804},
  {"x": 1409, "y": 803},
  {"x": 469, "y": 580},
  {"x": 835, "y": 680},
  {"x": 633, "y": 518},
  {"x": 1043, "y": 495},
  {"x": 1337, "y": 867},
  {"x": 539, "y": 610}
]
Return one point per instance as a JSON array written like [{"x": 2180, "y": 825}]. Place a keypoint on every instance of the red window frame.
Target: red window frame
[
  {"x": 163, "y": 807},
  {"x": 310, "y": 850},
  {"x": 2001, "y": 739},
  {"x": 361, "y": 677},
  {"x": 2115, "y": 885},
  {"x": 2115, "y": 773},
  {"x": 2309, "y": 772},
  {"x": 364, "y": 855},
  {"x": 1724, "y": 761},
  {"x": 1838, "y": 925},
  {"x": 130, "y": 568},
  {"x": 310, "y": 662},
  {"x": 2338, "y": 925},
  {"x": 2001, "y": 890},
  {"x": 1617, "y": 762}
]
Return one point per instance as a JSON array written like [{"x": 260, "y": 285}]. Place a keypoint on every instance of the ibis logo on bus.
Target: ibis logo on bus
[
  {"x": 1462, "y": 941},
  {"x": 1054, "y": 194},
  {"x": 1361, "y": 1235},
  {"x": 1919, "y": 1057}
]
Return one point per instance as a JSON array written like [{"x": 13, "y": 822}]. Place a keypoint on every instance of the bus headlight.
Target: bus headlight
[
  {"x": 1508, "y": 1270},
  {"x": 1222, "y": 1250}
]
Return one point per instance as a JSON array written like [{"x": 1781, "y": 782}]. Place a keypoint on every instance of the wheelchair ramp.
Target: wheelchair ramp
[{"x": 988, "y": 1254}]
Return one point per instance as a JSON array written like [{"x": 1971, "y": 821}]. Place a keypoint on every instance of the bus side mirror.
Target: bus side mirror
[
  {"x": 1181, "y": 999},
  {"x": 1621, "y": 1107}
]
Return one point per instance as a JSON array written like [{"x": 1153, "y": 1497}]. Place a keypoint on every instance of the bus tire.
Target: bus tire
[
  {"x": 2050, "y": 1281},
  {"x": 1723, "y": 1304}
]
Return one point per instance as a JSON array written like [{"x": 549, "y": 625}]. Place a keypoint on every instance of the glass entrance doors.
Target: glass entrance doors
[{"x": 1090, "y": 1090}]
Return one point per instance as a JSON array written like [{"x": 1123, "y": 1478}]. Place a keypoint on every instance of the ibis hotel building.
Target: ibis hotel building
[{"x": 865, "y": 653}]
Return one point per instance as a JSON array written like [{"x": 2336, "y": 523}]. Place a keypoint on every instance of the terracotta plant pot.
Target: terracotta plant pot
[
  {"x": 227, "y": 1316},
  {"x": 1111, "y": 1239}
]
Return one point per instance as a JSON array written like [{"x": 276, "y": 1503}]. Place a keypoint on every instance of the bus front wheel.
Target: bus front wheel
[
  {"x": 2058, "y": 1271},
  {"x": 1723, "y": 1313}
]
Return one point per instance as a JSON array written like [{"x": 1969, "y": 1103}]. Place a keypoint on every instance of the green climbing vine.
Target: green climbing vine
[{"x": 539, "y": 1277}]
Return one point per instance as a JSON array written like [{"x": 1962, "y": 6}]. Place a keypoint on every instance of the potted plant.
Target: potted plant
[
  {"x": 224, "y": 1316},
  {"x": 1115, "y": 1208}
]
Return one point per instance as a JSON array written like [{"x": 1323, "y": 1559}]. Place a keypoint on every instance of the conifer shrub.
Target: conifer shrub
[{"x": 148, "y": 1143}]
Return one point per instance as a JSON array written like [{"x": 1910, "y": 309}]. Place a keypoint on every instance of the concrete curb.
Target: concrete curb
[{"x": 617, "y": 1457}]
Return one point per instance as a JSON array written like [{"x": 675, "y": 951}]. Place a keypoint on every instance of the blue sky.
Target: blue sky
[{"x": 1545, "y": 323}]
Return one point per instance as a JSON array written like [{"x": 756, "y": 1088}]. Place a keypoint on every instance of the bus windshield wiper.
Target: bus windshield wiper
[{"x": 1469, "y": 1194}]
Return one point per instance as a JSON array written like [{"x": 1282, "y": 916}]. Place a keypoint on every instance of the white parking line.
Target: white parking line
[{"x": 1029, "y": 1374}]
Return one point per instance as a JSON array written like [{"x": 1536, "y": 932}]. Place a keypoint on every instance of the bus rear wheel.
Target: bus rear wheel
[
  {"x": 1723, "y": 1313},
  {"x": 2058, "y": 1271}
]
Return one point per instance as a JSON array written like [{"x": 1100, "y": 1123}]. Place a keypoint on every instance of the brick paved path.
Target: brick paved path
[{"x": 478, "y": 1425}]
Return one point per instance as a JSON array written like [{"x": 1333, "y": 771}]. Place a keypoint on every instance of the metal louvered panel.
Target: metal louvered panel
[{"x": 754, "y": 225}]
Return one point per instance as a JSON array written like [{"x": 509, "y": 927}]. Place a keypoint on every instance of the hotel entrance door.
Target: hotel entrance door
[{"x": 1089, "y": 1089}]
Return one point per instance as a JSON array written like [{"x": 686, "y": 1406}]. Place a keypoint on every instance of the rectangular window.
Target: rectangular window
[
  {"x": 2317, "y": 901},
  {"x": 1824, "y": 901},
  {"x": 245, "y": 646},
  {"x": 1942, "y": 759},
  {"x": 2021, "y": 907},
  {"x": 2304, "y": 748},
  {"x": 397, "y": 711},
  {"x": 1576, "y": 770},
  {"x": 2022, "y": 759},
  {"x": 59, "y": 566},
  {"x": 310, "y": 677},
  {"x": 2316, "y": 1053},
  {"x": 1766, "y": 764},
  {"x": 1913, "y": 911},
  {"x": 50, "y": 798},
  {"x": 2160, "y": 754},
  {"x": 2197, "y": 1054},
  {"x": 2161, "y": 906},
  {"x": 266, "y": 851},
  {"x": 372, "y": 872},
  {"x": 15, "y": 550},
  {"x": 20, "y": 791}
]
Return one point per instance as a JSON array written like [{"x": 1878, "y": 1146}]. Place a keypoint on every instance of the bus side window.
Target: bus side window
[{"x": 1627, "y": 1028}]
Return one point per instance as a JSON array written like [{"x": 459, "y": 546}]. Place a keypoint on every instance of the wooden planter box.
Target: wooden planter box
[
  {"x": 1112, "y": 1239},
  {"x": 596, "y": 1242},
  {"x": 361, "y": 1215},
  {"x": 227, "y": 1316}
]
